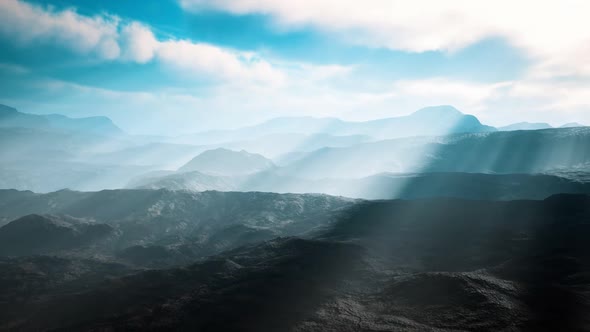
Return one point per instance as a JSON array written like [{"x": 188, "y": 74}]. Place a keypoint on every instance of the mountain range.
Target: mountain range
[
  {"x": 437, "y": 264},
  {"x": 536, "y": 126},
  {"x": 427, "y": 222},
  {"x": 144, "y": 227},
  {"x": 436, "y": 120},
  {"x": 47, "y": 153}
]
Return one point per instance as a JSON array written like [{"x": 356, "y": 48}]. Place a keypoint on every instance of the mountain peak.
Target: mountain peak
[{"x": 222, "y": 161}]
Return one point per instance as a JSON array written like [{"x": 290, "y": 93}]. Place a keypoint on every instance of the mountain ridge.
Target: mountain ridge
[
  {"x": 11, "y": 117},
  {"x": 443, "y": 119}
]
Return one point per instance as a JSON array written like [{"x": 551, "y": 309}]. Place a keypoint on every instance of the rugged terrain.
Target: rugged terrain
[{"x": 434, "y": 264}]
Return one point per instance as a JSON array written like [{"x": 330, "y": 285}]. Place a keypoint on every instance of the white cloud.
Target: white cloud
[
  {"x": 110, "y": 38},
  {"x": 469, "y": 93},
  {"x": 217, "y": 62},
  {"x": 554, "y": 33},
  {"x": 29, "y": 24},
  {"x": 140, "y": 43}
]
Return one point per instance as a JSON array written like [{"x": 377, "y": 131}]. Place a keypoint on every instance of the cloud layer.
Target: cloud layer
[
  {"x": 111, "y": 38},
  {"x": 555, "y": 33}
]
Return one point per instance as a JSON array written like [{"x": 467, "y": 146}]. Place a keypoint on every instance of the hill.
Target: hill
[
  {"x": 43, "y": 234},
  {"x": 227, "y": 162}
]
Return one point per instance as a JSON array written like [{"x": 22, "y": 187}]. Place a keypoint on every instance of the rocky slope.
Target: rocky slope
[{"x": 438, "y": 264}]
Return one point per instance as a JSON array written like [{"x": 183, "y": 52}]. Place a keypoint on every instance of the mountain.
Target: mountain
[
  {"x": 572, "y": 125},
  {"x": 155, "y": 227},
  {"x": 42, "y": 234},
  {"x": 429, "y": 121},
  {"x": 155, "y": 154},
  {"x": 227, "y": 162},
  {"x": 436, "y": 120},
  {"x": 176, "y": 207},
  {"x": 275, "y": 146},
  {"x": 51, "y": 152},
  {"x": 525, "y": 126},
  {"x": 97, "y": 124},
  {"x": 423, "y": 265},
  {"x": 10, "y": 117},
  {"x": 285, "y": 125},
  {"x": 534, "y": 151}
]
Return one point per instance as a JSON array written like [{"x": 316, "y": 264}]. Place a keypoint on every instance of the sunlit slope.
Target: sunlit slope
[{"x": 496, "y": 152}]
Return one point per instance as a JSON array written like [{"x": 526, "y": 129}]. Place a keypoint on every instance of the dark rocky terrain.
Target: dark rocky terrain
[
  {"x": 434, "y": 264},
  {"x": 151, "y": 228},
  {"x": 35, "y": 234}
]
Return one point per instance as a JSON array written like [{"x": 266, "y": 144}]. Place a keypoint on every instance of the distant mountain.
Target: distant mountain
[
  {"x": 51, "y": 152},
  {"x": 429, "y": 121},
  {"x": 227, "y": 162},
  {"x": 275, "y": 146},
  {"x": 572, "y": 125},
  {"x": 436, "y": 120},
  {"x": 97, "y": 124},
  {"x": 533, "y": 151},
  {"x": 163, "y": 155},
  {"x": 10, "y": 117},
  {"x": 285, "y": 125},
  {"x": 525, "y": 126},
  {"x": 42, "y": 234}
]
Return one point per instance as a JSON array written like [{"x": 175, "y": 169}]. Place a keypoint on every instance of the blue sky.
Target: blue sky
[{"x": 170, "y": 67}]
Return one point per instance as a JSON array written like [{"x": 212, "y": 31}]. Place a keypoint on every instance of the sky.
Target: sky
[{"x": 167, "y": 67}]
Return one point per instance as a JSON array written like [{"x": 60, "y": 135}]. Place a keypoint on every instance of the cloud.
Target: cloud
[
  {"x": 28, "y": 24},
  {"x": 214, "y": 61},
  {"x": 140, "y": 43},
  {"x": 554, "y": 33},
  {"x": 469, "y": 93},
  {"x": 108, "y": 37}
]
